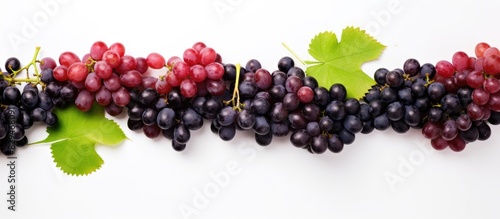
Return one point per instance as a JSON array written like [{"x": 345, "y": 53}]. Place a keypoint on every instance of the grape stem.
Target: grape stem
[
  {"x": 12, "y": 78},
  {"x": 294, "y": 54},
  {"x": 235, "y": 100}
]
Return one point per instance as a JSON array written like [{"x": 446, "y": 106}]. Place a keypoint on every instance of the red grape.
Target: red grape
[
  {"x": 492, "y": 85},
  {"x": 197, "y": 73},
  {"x": 491, "y": 51},
  {"x": 491, "y": 64},
  {"x": 439, "y": 143},
  {"x": 47, "y": 63},
  {"x": 131, "y": 79},
  {"x": 461, "y": 61},
  {"x": 121, "y": 97},
  {"x": 480, "y": 48},
  {"x": 445, "y": 69},
  {"x": 118, "y": 48},
  {"x": 155, "y": 61},
  {"x": 93, "y": 82},
  {"x": 181, "y": 70},
  {"x": 68, "y": 58},
  {"x": 127, "y": 63},
  {"x": 98, "y": 49},
  {"x": 305, "y": 94},
  {"x": 60, "y": 73},
  {"x": 103, "y": 96},
  {"x": 162, "y": 86},
  {"x": 112, "y": 58},
  {"x": 173, "y": 80},
  {"x": 263, "y": 79},
  {"x": 199, "y": 46},
  {"x": 215, "y": 71},
  {"x": 188, "y": 88},
  {"x": 191, "y": 57},
  {"x": 142, "y": 65},
  {"x": 84, "y": 100},
  {"x": 77, "y": 72},
  {"x": 207, "y": 56},
  {"x": 103, "y": 69}
]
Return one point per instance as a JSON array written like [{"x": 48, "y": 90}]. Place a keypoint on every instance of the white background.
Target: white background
[{"x": 144, "y": 178}]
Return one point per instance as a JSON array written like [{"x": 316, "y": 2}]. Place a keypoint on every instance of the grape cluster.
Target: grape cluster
[{"x": 20, "y": 110}]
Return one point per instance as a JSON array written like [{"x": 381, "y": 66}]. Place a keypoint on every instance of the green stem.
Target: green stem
[
  {"x": 235, "y": 100},
  {"x": 294, "y": 54}
]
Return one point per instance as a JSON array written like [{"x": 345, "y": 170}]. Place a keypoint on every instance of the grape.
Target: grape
[
  {"x": 439, "y": 143},
  {"x": 338, "y": 92},
  {"x": 181, "y": 134},
  {"x": 77, "y": 72},
  {"x": 227, "y": 133},
  {"x": 484, "y": 131},
  {"x": 127, "y": 63},
  {"x": 346, "y": 136},
  {"x": 395, "y": 111},
  {"x": 319, "y": 144},
  {"x": 264, "y": 140},
  {"x": 336, "y": 110},
  {"x": 11, "y": 95},
  {"x": 103, "y": 96},
  {"x": 253, "y": 65},
  {"x": 84, "y": 100},
  {"x": 381, "y": 122},
  {"x": 491, "y": 51},
  {"x": 278, "y": 93},
  {"x": 296, "y": 71},
  {"x": 188, "y": 88},
  {"x": 165, "y": 118},
  {"x": 427, "y": 71},
  {"x": 68, "y": 58},
  {"x": 197, "y": 73},
  {"x": 279, "y": 78},
  {"x": 121, "y": 97},
  {"x": 412, "y": 115},
  {"x": 60, "y": 73},
  {"x": 475, "y": 112},
  {"x": 353, "y": 124},
  {"x": 112, "y": 58},
  {"x": 445, "y": 69},
  {"x": 103, "y": 70},
  {"x": 38, "y": 115},
  {"x": 149, "y": 116},
  {"x": 112, "y": 83},
  {"x": 261, "y": 125},
  {"x": 310, "y": 82},
  {"x": 152, "y": 131},
  {"x": 98, "y": 49},
  {"x": 411, "y": 67},
  {"x": 245, "y": 119},
  {"x": 207, "y": 56},
  {"x": 226, "y": 116},
  {"x": 300, "y": 138},
  {"x": 494, "y": 103},
  {"x": 113, "y": 110},
  {"x": 460, "y": 61},
  {"x": 305, "y": 94},
  {"x": 47, "y": 63},
  {"x": 311, "y": 112},
  {"x": 191, "y": 57},
  {"x": 457, "y": 144},
  {"x": 214, "y": 70},
  {"x": 491, "y": 64},
  {"x": 480, "y": 96},
  {"x": 293, "y": 84},
  {"x": 155, "y": 61},
  {"x": 247, "y": 89},
  {"x": 259, "y": 106},
  {"x": 394, "y": 79},
  {"x": 470, "y": 135},
  {"x": 131, "y": 79},
  {"x": 192, "y": 120},
  {"x": 263, "y": 79},
  {"x": 29, "y": 99},
  {"x": 475, "y": 79},
  {"x": 285, "y": 63},
  {"x": 217, "y": 88},
  {"x": 118, "y": 48},
  {"x": 93, "y": 82},
  {"x": 450, "y": 130},
  {"x": 134, "y": 125},
  {"x": 491, "y": 85},
  {"x": 47, "y": 76},
  {"x": 436, "y": 91},
  {"x": 321, "y": 96},
  {"x": 44, "y": 101},
  {"x": 480, "y": 48},
  {"x": 388, "y": 95},
  {"x": 380, "y": 75}
]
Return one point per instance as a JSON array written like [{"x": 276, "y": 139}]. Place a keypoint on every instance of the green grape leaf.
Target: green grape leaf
[
  {"x": 74, "y": 138},
  {"x": 340, "y": 62}
]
